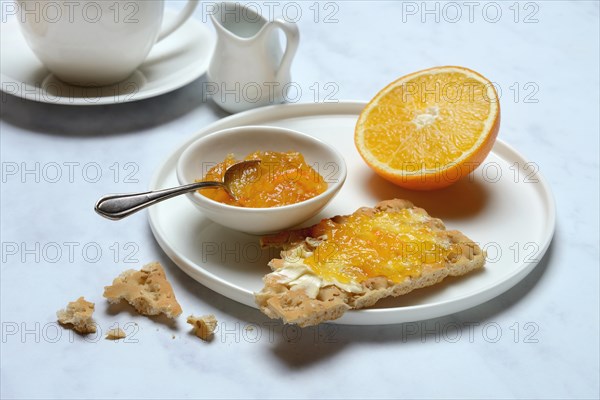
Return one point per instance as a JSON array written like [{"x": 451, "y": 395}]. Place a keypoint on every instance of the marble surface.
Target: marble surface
[{"x": 538, "y": 340}]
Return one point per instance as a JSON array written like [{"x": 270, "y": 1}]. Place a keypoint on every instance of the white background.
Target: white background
[{"x": 538, "y": 340}]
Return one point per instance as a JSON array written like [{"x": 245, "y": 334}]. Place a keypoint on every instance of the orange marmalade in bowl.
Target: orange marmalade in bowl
[{"x": 280, "y": 179}]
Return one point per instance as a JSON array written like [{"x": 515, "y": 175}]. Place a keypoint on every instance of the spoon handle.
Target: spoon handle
[{"x": 118, "y": 206}]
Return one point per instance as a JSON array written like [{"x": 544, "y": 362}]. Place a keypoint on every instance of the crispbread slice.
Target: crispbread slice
[
  {"x": 147, "y": 290},
  {"x": 297, "y": 306}
]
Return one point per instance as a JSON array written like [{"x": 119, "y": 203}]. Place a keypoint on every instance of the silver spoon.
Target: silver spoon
[{"x": 118, "y": 206}]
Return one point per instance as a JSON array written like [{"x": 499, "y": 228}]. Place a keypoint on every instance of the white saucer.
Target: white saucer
[
  {"x": 171, "y": 64},
  {"x": 508, "y": 208}
]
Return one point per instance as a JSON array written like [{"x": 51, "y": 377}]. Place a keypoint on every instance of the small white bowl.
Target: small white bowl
[{"x": 205, "y": 152}]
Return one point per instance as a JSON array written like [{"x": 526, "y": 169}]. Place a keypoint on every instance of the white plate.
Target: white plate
[
  {"x": 506, "y": 207},
  {"x": 171, "y": 64}
]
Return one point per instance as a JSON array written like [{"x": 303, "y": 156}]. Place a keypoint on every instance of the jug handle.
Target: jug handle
[
  {"x": 293, "y": 38},
  {"x": 187, "y": 12}
]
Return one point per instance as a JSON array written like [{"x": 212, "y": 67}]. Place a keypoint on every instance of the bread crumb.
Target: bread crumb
[
  {"x": 204, "y": 326},
  {"x": 147, "y": 290},
  {"x": 249, "y": 328},
  {"x": 116, "y": 334},
  {"x": 173, "y": 337},
  {"x": 78, "y": 316}
]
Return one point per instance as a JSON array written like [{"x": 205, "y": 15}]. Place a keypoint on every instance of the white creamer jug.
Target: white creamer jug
[{"x": 248, "y": 68}]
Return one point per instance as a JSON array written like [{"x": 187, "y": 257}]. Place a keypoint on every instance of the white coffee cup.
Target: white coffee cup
[{"x": 95, "y": 43}]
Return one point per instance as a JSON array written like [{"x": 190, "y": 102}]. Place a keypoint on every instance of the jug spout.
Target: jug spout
[{"x": 233, "y": 21}]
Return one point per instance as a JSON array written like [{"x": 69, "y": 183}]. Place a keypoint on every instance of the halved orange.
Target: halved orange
[{"x": 429, "y": 129}]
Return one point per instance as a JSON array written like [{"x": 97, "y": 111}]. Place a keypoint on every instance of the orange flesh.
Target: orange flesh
[
  {"x": 281, "y": 178},
  {"x": 427, "y": 123},
  {"x": 394, "y": 245},
  {"x": 428, "y": 129}
]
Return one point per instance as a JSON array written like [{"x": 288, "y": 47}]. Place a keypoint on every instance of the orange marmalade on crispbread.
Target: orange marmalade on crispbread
[
  {"x": 280, "y": 179},
  {"x": 395, "y": 245}
]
